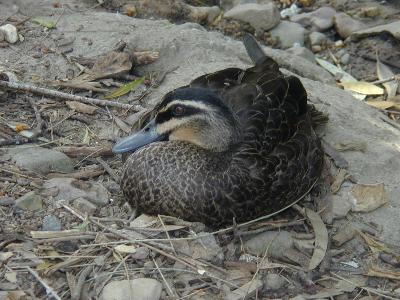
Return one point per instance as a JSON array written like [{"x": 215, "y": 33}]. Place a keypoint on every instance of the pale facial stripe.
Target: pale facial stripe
[{"x": 197, "y": 105}]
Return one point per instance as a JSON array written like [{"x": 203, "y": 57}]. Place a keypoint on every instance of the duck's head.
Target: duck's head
[{"x": 194, "y": 115}]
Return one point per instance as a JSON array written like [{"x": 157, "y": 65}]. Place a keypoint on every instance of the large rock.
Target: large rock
[
  {"x": 289, "y": 34},
  {"x": 42, "y": 160},
  {"x": 187, "y": 53},
  {"x": 260, "y": 16},
  {"x": 138, "y": 289},
  {"x": 319, "y": 20},
  {"x": 346, "y": 25},
  {"x": 69, "y": 189},
  {"x": 30, "y": 201}
]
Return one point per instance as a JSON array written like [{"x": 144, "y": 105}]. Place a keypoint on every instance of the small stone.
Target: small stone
[
  {"x": 317, "y": 38},
  {"x": 274, "y": 282},
  {"x": 138, "y": 289},
  {"x": 340, "y": 53},
  {"x": 6, "y": 201},
  {"x": 340, "y": 206},
  {"x": 289, "y": 34},
  {"x": 346, "y": 25},
  {"x": 51, "y": 223},
  {"x": 320, "y": 19},
  {"x": 10, "y": 33},
  {"x": 206, "y": 248},
  {"x": 71, "y": 188},
  {"x": 316, "y": 48},
  {"x": 302, "y": 52},
  {"x": 84, "y": 206},
  {"x": 339, "y": 43},
  {"x": 30, "y": 201},
  {"x": 370, "y": 11},
  {"x": 345, "y": 59},
  {"x": 42, "y": 160},
  {"x": 261, "y": 17},
  {"x": 203, "y": 14}
]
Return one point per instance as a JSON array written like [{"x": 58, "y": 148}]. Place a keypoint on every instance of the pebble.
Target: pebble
[
  {"x": 51, "y": 223},
  {"x": 206, "y": 248},
  {"x": 6, "y": 201},
  {"x": 277, "y": 243},
  {"x": 10, "y": 33},
  {"x": 345, "y": 59},
  {"x": 340, "y": 206},
  {"x": 289, "y": 34},
  {"x": 138, "y": 289},
  {"x": 204, "y": 13},
  {"x": 302, "y": 52},
  {"x": 84, "y": 206},
  {"x": 30, "y": 201},
  {"x": 370, "y": 11},
  {"x": 320, "y": 19},
  {"x": 316, "y": 48},
  {"x": 317, "y": 38},
  {"x": 70, "y": 188},
  {"x": 274, "y": 281},
  {"x": 346, "y": 25},
  {"x": 42, "y": 160},
  {"x": 261, "y": 17}
]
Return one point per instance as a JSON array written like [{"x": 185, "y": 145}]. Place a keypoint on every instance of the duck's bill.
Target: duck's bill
[{"x": 133, "y": 142}]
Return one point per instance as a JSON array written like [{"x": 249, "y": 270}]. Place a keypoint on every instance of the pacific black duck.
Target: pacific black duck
[{"x": 232, "y": 144}]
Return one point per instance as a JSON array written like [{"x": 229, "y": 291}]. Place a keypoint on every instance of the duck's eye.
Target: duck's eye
[{"x": 179, "y": 110}]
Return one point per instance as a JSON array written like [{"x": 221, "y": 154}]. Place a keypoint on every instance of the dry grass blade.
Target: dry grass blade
[
  {"x": 124, "y": 89},
  {"x": 384, "y": 104},
  {"x": 362, "y": 87},
  {"x": 375, "y": 271}
]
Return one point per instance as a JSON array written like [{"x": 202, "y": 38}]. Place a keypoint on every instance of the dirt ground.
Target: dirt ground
[{"x": 66, "y": 231}]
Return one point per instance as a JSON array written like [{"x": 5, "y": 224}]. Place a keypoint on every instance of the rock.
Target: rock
[
  {"x": 316, "y": 48},
  {"x": 289, "y": 34},
  {"x": 340, "y": 206},
  {"x": 276, "y": 242},
  {"x": 202, "y": 14},
  {"x": 6, "y": 201},
  {"x": 42, "y": 160},
  {"x": 84, "y": 206},
  {"x": 317, "y": 38},
  {"x": 2, "y": 36},
  {"x": 261, "y": 17},
  {"x": 206, "y": 248},
  {"x": 345, "y": 59},
  {"x": 30, "y": 201},
  {"x": 302, "y": 52},
  {"x": 320, "y": 19},
  {"x": 70, "y": 189},
  {"x": 51, "y": 223},
  {"x": 346, "y": 25},
  {"x": 10, "y": 33},
  {"x": 370, "y": 11},
  {"x": 138, "y": 289},
  {"x": 274, "y": 281},
  {"x": 393, "y": 28}
]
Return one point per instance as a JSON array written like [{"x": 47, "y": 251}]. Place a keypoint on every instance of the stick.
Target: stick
[
  {"x": 108, "y": 169},
  {"x": 76, "y": 293},
  {"x": 49, "y": 289},
  {"x": 24, "y": 87}
]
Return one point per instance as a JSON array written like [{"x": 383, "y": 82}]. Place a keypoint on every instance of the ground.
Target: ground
[{"x": 78, "y": 238}]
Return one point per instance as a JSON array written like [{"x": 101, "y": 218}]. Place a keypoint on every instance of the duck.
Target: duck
[{"x": 229, "y": 147}]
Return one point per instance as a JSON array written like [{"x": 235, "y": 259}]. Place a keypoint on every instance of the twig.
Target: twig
[
  {"x": 20, "y": 86},
  {"x": 170, "y": 292},
  {"x": 108, "y": 169},
  {"x": 39, "y": 126},
  {"x": 392, "y": 78},
  {"x": 166, "y": 232},
  {"x": 49, "y": 290},
  {"x": 75, "y": 151},
  {"x": 76, "y": 293}
]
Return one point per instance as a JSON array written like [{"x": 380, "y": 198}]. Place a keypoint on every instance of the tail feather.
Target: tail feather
[{"x": 253, "y": 48}]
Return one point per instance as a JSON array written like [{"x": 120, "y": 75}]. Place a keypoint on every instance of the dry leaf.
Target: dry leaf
[
  {"x": 5, "y": 256},
  {"x": 375, "y": 271},
  {"x": 340, "y": 177},
  {"x": 11, "y": 276},
  {"x": 383, "y": 73},
  {"x": 125, "y": 249},
  {"x": 367, "y": 197},
  {"x": 362, "y": 87},
  {"x": 11, "y": 295},
  {"x": 81, "y": 107},
  {"x": 321, "y": 238},
  {"x": 373, "y": 244},
  {"x": 111, "y": 64},
  {"x": 384, "y": 104}
]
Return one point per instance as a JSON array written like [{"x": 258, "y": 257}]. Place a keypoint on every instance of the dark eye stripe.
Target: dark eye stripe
[{"x": 168, "y": 114}]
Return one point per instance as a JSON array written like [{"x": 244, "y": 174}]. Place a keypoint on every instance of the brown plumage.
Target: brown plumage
[{"x": 240, "y": 145}]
